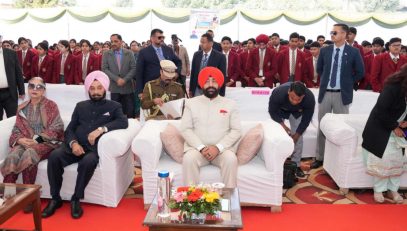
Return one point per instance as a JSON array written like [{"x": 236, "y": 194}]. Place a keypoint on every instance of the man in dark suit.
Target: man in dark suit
[
  {"x": 119, "y": 64},
  {"x": 11, "y": 81},
  {"x": 207, "y": 57},
  {"x": 91, "y": 119},
  {"x": 216, "y": 46},
  {"x": 148, "y": 62},
  {"x": 339, "y": 66}
]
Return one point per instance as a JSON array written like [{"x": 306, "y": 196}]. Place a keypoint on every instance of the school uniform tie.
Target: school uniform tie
[
  {"x": 40, "y": 62},
  {"x": 261, "y": 63},
  {"x": 24, "y": 54},
  {"x": 84, "y": 66},
  {"x": 292, "y": 66},
  {"x": 63, "y": 64}
]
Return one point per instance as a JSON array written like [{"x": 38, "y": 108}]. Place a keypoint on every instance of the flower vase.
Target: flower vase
[{"x": 198, "y": 218}]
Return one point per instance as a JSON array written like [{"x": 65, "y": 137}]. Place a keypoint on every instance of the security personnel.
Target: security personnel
[{"x": 159, "y": 91}]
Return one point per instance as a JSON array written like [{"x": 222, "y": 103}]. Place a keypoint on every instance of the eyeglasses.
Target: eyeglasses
[
  {"x": 161, "y": 37},
  {"x": 37, "y": 87},
  {"x": 333, "y": 33}
]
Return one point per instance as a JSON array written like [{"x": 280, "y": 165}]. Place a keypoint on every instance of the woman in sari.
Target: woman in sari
[
  {"x": 384, "y": 138},
  {"x": 38, "y": 130}
]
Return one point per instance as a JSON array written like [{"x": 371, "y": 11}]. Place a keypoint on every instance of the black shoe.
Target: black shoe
[
  {"x": 299, "y": 172},
  {"x": 28, "y": 208},
  {"x": 51, "y": 207},
  {"x": 76, "y": 210},
  {"x": 316, "y": 164}
]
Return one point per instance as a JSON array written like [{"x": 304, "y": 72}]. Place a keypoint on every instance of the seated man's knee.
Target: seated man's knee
[
  {"x": 89, "y": 160},
  {"x": 230, "y": 158},
  {"x": 55, "y": 155},
  {"x": 190, "y": 157}
]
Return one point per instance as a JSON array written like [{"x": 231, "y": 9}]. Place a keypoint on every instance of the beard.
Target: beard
[
  {"x": 211, "y": 92},
  {"x": 97, "y": 97}
]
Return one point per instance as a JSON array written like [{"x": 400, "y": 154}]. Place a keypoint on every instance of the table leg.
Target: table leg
[{"x": 37, "y": 212}]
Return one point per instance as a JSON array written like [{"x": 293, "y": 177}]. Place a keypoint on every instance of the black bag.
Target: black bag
[{"x": 289, "y": 178}]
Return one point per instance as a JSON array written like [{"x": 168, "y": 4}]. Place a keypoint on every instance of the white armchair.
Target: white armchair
[
  {"x": 112, "y": 177},
  {"x": 343, "y": 159},
  {"x": 260, "y": 181}
]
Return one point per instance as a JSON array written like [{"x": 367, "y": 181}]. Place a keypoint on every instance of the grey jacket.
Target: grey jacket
[{"x": 127, "y": 71}]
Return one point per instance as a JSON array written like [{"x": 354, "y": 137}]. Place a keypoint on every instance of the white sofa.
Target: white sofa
[
  {"x": 260, "y": 181},
  {"x": 112, "y": 177},
  {"x": 343, "y": 159}
]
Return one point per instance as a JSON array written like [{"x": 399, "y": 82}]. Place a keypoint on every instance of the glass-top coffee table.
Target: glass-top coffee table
[
  {"x": 230, "y": 220},
  {"x": 17, "y": 197}
]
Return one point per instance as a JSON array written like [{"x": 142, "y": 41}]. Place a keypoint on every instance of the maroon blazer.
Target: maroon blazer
[
  {"x": 366, "y": 81},
  {"x": 93, "y": 65},
  {"x": 233, "y": 67},
  {"x": 383, "y": 66},
  {"x": 243, "y": 58},
  {"x": 281, "y": 48},
  {"x": 307, "y": 53},
  {"x": 26, "y": 66},
  {"x": 360, "y": 47},
  {"x": 69, "y": 69},
  {"x": 308, "y": 77},
  {"x": 46, "y": 69},
  {"x": 269, "y": 67},
  {"x": 283, "y": 64}
]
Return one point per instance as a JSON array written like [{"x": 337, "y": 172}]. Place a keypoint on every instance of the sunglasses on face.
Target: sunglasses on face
[
  {"x": 161, "y": 37},
  {"x": 333, "y": 33},
  {"x": 33, "y": 86}
]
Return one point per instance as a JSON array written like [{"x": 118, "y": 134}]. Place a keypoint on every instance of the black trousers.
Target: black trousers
[
  {"x": 62, "y": 157},
  {"x": 7, "y": 103},
  {"x": 127, "y": 102}
]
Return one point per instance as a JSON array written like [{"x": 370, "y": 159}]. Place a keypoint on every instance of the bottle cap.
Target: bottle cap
[{"x": 163, "y": 174}]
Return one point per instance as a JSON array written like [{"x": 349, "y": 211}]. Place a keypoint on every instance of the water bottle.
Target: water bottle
[{"x": 163, "y": 195}]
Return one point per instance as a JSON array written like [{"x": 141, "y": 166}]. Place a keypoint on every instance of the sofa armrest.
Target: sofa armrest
[
  {"x": 116, "y": 143},
  {"x": 6, "y": 126},
  {"x": 147, "y": 144},
  {"x": 336, "y": 130},
  {"x": 276, "y": 147}
]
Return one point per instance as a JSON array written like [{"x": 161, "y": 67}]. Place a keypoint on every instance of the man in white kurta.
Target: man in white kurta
[{"x": 211, "y": 127}]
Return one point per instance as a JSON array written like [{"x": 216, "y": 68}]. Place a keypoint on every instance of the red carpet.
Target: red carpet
[{"x": 129, "y": 215}]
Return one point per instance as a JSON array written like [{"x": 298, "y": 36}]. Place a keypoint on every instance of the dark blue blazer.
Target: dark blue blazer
[
  {"x": 89, "y": 115},
  {"x": 148, "y": 65},
  {"x": 216, "y": 59},
  {"x": 352, "y": 70}
]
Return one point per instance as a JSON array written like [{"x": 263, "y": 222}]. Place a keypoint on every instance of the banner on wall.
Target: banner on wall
[{"x": 203, "y": 20}]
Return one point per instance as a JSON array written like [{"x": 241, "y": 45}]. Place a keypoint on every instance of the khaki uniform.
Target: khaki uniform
[{"x": 156, "y": 89}]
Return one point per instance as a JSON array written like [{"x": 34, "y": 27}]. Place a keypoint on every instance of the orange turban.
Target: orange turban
[
  {"x": 210, "y": 72},
  {"x": 262, "y": 38}
]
